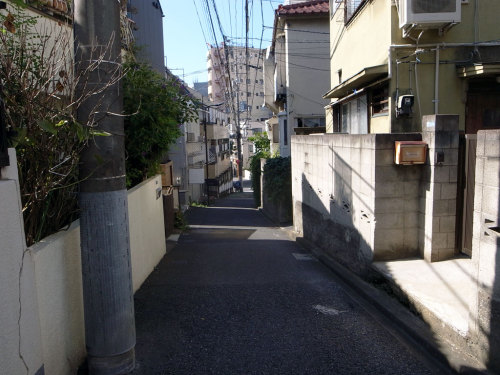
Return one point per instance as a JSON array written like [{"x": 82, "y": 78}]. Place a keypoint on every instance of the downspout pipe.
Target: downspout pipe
[{"x": 436, "y": 84}]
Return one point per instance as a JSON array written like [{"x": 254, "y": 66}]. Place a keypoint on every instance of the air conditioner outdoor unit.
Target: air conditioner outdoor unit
[{"x": 425, "y": 14}]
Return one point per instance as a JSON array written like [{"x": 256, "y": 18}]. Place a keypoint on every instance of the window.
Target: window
[
  {"x": 380, "y": 101},
  {"x": 256, "y": 107},
  {"x": 256, "y": 94},
  {"x": 261, "y": 81},
  {"x": 351, "y": 7},
  {"x": 248, "y": 80},
  {"x": 354, "y": 116},
  {"x": 310, "y": 122}
]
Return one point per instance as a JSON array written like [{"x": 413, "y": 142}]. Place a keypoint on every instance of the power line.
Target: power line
[
  {"x": 298, "y": 30},
  {"x": 303, "y": 66}
]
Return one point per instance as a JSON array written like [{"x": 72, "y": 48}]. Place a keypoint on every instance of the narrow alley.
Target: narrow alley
[{"x": 237, "y": 296}]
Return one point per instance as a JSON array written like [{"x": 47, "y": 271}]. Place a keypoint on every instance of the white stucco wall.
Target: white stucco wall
[
  {"x": 147, "y": 232},
  {"x": 47, "y": 327},
  {"x": 58, "y": 272},
  {"x": 20, "y": 342}
]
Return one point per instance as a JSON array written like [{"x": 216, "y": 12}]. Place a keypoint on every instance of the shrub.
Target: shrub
[
  {"x": 278, "y": 174},
  {"x": 37, "y": 75},
  {"x": 263, "y": 151},
  {"x": 157, "y": 106}
]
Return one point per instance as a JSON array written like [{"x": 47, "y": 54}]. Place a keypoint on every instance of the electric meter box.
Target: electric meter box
[{"x": 410, "y": 152}]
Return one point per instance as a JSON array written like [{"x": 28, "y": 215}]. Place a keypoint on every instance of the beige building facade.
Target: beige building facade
[
  {"x": 296, "y": 71},
  {"x": 392, "y": 63}
]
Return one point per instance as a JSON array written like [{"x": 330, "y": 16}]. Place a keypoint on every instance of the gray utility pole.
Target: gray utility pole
[
  {"x": 204, "y": 111},
  {"x": 105, "y": 244},
  {"x": 238, "y": 131}
]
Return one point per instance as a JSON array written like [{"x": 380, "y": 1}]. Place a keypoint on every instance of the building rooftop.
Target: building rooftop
[{"x": 305, "y": 8}]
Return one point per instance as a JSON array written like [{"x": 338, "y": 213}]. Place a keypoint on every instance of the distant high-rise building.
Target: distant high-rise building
[
  {"x": 238, "y": 81},
  {"x": 201, "y": 87}
]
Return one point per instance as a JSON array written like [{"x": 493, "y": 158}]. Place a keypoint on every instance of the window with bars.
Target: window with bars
[
  {"x": 351, "y": 7},
  {"x": 380, "y": 101}
]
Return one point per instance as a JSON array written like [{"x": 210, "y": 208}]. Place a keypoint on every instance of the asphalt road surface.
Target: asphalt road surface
[{"x": 237, "y": 296}]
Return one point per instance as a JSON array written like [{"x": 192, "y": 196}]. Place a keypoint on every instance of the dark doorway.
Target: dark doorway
[{"x": 483, "y": 105}]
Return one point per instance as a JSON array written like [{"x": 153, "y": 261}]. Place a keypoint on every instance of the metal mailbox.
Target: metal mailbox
[{"x": 410, "y": 152}]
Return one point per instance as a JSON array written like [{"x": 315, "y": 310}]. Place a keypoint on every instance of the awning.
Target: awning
[
  {"x": 478, "y": 70},
  {"x": 357, "y": 81}
]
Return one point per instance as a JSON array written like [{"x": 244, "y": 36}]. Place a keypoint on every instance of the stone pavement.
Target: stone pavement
[{"x": 237, "y": 295}]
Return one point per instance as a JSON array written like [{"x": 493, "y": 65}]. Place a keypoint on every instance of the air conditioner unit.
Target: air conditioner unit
[{"x": 425, "y": 14}]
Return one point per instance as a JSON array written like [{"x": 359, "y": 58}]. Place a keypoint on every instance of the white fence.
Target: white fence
[{"x": 41, "y": 319}]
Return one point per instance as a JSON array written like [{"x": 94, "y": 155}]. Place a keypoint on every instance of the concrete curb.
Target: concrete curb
[{"x": 402, "y": 323}]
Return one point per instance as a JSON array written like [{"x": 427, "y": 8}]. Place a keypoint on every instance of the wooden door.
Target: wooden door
[{"x": 483, "y": 111}]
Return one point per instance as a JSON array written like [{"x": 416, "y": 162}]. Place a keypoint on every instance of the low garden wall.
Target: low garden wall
[{"x": 41, "y": 321}]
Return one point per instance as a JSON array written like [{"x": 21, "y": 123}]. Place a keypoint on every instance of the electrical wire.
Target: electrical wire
[{"x": 298, "y": 30}]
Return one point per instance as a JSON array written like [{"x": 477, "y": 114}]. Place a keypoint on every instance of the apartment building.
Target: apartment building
[
  {"x": 393, "y": 62},
  {"x": 296, "y": 71},
  {"x": 235, "y": 76}
]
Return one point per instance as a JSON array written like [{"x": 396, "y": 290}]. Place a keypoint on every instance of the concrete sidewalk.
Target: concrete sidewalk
[{"x": 442, "y": 291}]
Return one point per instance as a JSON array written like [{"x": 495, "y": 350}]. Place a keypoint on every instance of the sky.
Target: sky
[{"x": 187, "y": 30}]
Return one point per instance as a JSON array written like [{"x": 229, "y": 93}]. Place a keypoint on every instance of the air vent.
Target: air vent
[
  {"x": 433, "y": 6},
  {"x": 426, "y": 14}
]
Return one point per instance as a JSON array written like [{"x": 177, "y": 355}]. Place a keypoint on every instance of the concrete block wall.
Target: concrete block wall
[
  {"x": 352, "y": 200},
  {"x": 485, "y": 310},
  {"x": 322, "y": 190},
  {"x": 438, "y": 191},
  {"x": 396, "y": 200}
]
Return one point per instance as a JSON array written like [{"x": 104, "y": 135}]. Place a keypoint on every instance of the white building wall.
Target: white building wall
[{"x": 308, "y": 68}]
